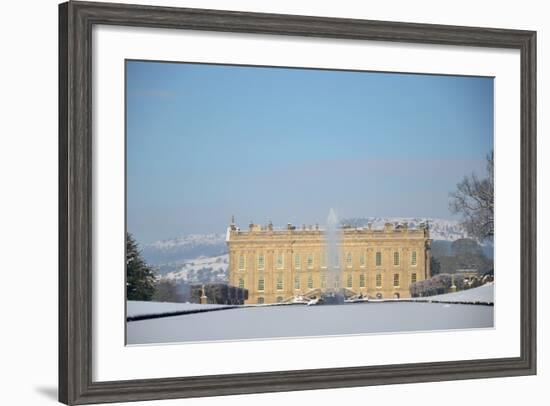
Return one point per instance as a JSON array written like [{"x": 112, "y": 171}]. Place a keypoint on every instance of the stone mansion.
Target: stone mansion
[{"x": 277, "y": 265}]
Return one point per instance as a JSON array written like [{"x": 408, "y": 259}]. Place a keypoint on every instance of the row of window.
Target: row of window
[
  {"x": 336, "y": 282},
  {"x": 279, "y": 262}
]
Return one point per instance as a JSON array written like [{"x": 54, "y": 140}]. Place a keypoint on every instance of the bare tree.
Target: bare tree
[{"x": 474, "y": 199}]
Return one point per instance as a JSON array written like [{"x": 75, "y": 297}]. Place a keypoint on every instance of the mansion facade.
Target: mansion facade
[{"x": 278, "y": 265}]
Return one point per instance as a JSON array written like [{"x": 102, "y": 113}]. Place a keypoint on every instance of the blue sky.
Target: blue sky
[{"x": 205, "y": 142}]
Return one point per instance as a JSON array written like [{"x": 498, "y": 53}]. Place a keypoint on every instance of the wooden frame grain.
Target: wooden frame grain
[{"x": 76, "y": 20}]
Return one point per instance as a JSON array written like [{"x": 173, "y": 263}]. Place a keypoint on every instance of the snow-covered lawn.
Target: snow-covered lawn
[
  {"x": 481, "y": 294},
  {"x": 299, "y": 321},
  {"x": 136, "y": 308}
]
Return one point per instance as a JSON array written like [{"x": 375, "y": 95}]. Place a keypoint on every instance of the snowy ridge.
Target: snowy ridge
[
  {"x": 188, "y": 240},
  {"x": 201, "y": 270},
  {"x": 166, "y": 252}
]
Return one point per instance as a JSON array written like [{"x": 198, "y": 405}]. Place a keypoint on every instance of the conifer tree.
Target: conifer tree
[{"x": 140, "y": 277}]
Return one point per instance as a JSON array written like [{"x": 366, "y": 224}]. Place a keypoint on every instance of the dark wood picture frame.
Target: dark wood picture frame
[{"x": 76, "y": 20}]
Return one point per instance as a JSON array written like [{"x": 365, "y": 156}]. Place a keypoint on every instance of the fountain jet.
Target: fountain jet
[{"x": 332, "y": 292}]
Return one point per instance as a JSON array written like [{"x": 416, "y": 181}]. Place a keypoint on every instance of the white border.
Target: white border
[{"x": 113, "y": 361}]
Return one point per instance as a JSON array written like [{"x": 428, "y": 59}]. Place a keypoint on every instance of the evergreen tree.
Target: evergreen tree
[{"x": 140, "y": 277}]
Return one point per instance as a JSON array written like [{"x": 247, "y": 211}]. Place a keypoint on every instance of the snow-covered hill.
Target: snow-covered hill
[
  {"x": 200, "y": 270},
  {"x": 182, "y": 248}
]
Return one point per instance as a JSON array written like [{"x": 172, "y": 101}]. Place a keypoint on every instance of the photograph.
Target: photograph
[{"x": 267, "y": 202}]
